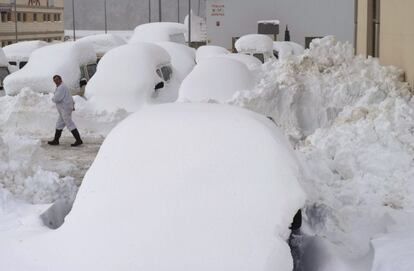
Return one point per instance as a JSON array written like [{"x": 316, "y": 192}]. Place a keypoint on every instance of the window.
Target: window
[
  {"x": 35, "y": 17},
  {"x": 9, "y": 18},
  {"x": 48, "y": 17},
  {"x": 22, "y": 64},
  {"x": 24, "y": 17},
  {"x": 44, "y": 17},
  {"x": 13, "y": 63},
  {"x": 19, "y": 17},
  {"x": 3, "y": 17},
  {"x": 166, "y": 73},
  {"x": 259, "y": 57},
  {"x": 91, "y": 70}
]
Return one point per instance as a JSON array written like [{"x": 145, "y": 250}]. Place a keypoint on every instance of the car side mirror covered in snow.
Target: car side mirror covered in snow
[
  {"x": 159, "y": 85},
  {"x": 83, "y": 82}
]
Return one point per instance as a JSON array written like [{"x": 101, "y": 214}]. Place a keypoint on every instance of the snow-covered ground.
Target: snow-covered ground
[{"x": 350, "y": 120}]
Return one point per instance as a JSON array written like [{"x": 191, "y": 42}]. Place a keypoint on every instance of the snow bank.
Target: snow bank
[
  {"x": 102, "y": 43},
  {"x": 351, "y": 120},
  {"x": 3, "y": 59},
  {"x": 287, "y": 48},
  {"x": 251, "y": 62},
  {"x": 64, "y": 59},
  {"x": 21, "y": 51},
  {"x": 207, "y": 51},
  {"x": 126, "y": 78},
  {"x": 216, "y": 79},
  {"x": 254, "y": 42},
  {"x": 194, "y": 214},
  {"x": 158, "y": 32},
  {"x": 182, "y": 58}
]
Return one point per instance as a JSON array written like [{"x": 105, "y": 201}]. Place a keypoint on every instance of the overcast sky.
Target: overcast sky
[{"x": 125, "y": 14}]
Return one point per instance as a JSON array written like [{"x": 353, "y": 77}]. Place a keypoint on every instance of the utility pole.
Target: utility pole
[
  {"x": 178, "y": 11},
  {"x": 159, "y": 11},
  {"x": 106, "y": 20},
  {"x": 73, "y": 17},
  {"x": 149, "y": 11},
  {"x": 189, "y": 23},
  {"x": 15, "y": 19}
]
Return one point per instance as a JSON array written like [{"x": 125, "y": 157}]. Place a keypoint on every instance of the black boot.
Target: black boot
[
  {"x": 55, "y": 141},
  {"x": 76, "y": 135}
]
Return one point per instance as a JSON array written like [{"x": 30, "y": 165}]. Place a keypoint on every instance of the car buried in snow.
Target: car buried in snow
[
  {"x": 18, "y": 54},
  {"x": 257, "y": 45},
  {"x": 74, "y": 62},
  {"x": 4, "y": 68},
  {"x": 177, "y": 186}
]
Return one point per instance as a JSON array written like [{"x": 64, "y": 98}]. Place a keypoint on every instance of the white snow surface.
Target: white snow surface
[
  {"x": 255, "y": 43},
  {"x": 102, "y": 43},
  {"x": 21, "y": 51},
  {"x": 3, "y": 59},
  {"x": 194, "y": 214},
  {"x": 216, "y": 79},
  {"x": 207, "y": 51},
  {"x": 251, "y": 62},
  {"x": 158, "y": 32},
  {"x": 274, "y": 22},
  {"x": 64, "y": 59},
  {"x": 182, "y": 58},
  {"x": 351, "y": 121},
  {"x": 287, "y": 48},
  {"x": 126, "y": 78}
]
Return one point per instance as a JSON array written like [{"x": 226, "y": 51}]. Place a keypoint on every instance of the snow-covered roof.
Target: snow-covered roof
[
  {"x": 206, "y": 51},
  {"x": 64, "y": 59},
  {"x": 177, "y": 187},
  {"x": 21, "y": 51},
  {"x": 102, "y": 43},
  {"x": 274, "y": 22},
  {"x": 158, "y": 32},
  {"x": 254, "y": 42},
  {"x": 126, "y": 77},
  {"x": 216, "y": 78},
  {"x": 182, "y": 57}
]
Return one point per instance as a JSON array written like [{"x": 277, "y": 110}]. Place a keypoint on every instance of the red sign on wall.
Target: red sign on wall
[{"x": 217, "y": 10}]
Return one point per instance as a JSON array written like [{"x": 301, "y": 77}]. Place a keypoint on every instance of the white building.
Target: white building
[{"x": 233, "y": 18}]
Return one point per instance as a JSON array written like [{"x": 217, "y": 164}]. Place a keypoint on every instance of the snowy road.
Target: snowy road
[{"x": 79, "y": 159}]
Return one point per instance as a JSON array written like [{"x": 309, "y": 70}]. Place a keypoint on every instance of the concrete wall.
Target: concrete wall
[
  {"x": 397, "y": 35},
  {"x": 304, "y": 17}
]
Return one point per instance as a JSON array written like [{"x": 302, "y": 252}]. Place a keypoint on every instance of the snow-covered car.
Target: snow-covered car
[
  {"x": 4, "y": 67},
  {"x": 207, "y": 51},
  {"x": 182, "y": 58},
  {"x": 283, "y": 49},
  {"x": 131, "y": 76},
  {"x": 18, "y": 53},
  {"x": 257, "y": 45},
  {"x": 251, "y": 62},
  {"x": 216, "y": 78},
  {"x": 176, "y": 187},
  {"x": 159, "y": 32},
  {"x": 102, "y": 43},
  {"x": 75, "y": 62}
]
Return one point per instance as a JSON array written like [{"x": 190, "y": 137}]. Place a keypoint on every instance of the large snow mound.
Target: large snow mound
[
  {"x": 158, "y": 210},
  {"x": 216, "y": 78},
  {"x": 21, "y": 51},
  {"x": 182, "y": 58},
  {"x": 251, "y": 62},
  {"x": 102, "y": 43},
  {"x": 207, "y": 51},
  {"x": 158, "y": 32},
  {"x": 287, "y": 48},
  {"x": 126, "y": 78},
  {"x": 64, "y": 59},
  {"x": 254, "y": 42},
  {"x": 351, "y": 121}
]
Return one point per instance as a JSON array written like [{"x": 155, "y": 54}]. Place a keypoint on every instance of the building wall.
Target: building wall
[
  {"x": 397, "y": 35},
  {"x": 306, "y": 18},
  {"x": 43, "y": 20},
  {"x": 396, "y": 38}
]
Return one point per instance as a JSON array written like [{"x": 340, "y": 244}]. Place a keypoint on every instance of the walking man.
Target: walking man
[{"x": 65, "y": 105}]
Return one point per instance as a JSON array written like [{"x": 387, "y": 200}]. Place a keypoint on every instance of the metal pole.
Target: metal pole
[
  {"x": 159, "y": 11},
  {"x": 149, "y": 11},
  {"x": 106, "y": 20},
  {"x": 189, "y": 23},
  {"x": 73, "y": 16},
  {"x": 198, "y": 11},
  {"x": 15, "y": 20},
  {"x": 178, "y": 11}
]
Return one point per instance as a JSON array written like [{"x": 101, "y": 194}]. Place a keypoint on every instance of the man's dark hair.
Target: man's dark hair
[{"x": 57, "y": 76}]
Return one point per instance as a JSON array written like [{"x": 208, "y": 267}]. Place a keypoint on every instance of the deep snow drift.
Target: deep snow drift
[
  {"x": 140, "y": 203},
  {"x": 352, "y": 122}
]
